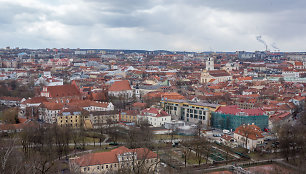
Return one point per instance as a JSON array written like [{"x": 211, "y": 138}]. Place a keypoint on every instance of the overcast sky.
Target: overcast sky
[{"x": 184, "y": 25}]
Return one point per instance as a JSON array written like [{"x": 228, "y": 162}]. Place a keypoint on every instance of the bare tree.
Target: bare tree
[{"x": 186, "y": 150}]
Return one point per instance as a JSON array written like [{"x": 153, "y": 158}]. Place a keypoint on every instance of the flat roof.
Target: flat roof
[{"x": 194, "y": 103}]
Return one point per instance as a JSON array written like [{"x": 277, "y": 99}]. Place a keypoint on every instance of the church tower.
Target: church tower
[{"x": 210, "y": 64}]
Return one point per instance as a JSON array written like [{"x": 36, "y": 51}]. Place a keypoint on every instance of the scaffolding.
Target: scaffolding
[{"x": 231, "y": 122}]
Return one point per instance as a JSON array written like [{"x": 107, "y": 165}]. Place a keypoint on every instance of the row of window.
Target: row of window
[
  {"x": 196, "y": 111},
  {"x": 115, "y": 165},
  {"x": 70, "y": 121},
  {"x": 196, "y": 116}
]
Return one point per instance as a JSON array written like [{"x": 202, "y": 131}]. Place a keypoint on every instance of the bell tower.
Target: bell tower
[{"x": 210, "y": 64}]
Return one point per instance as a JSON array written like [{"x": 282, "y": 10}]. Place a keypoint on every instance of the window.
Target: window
[
  {"x": 98, "y": 167},
  {"x": 106, "y": 166}
]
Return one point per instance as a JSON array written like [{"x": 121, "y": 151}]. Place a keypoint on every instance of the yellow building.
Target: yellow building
[
  {"x": 99, "y": 118},
  {"x": 129, "y": 116},
  {"x": 70, "y": 117},
  {"x": 193, "y": 112}
]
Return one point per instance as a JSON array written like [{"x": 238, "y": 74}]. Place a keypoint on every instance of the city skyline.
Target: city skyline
[{"x": 154, "y": 25}]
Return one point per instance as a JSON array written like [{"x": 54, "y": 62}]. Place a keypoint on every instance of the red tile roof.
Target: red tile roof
[
  {"x": 111, "y": 157},
  {"x": 244, "y": 78},
  {"x": 36, "y": 100},
  {"x": 53, "y": 106},
  {"x": 8, "y": 98},
  {"x": 63, "y": 91},
  {"x": 158, "y": 112},
  {"x": 280, "y": 116},
  {"x": 139, "y": 105},
  {"x": 218, "y": 73},
  {"x": 226, "y": 137},
  {"x": 297, "y": 63},
  {"x": 87, "y": 103},
  {"x": 123, "y": 85},
  {"x": 172, "y": 95},
  {"x": 99, "y": 96},
  {"x": 234, "y": 110},
  {"x": 250, "y": 131}
]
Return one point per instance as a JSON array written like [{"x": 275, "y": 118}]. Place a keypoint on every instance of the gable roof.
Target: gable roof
[
  {"x": 36, "y": 100},
  {"x": 111, "y": 157},
  {"x": 234, "y": 110},
  {"x": 218, "y": 73},
  {"x": 63, "y": 91},
  {"x": 157, "y": 112},
  {"x": 53, "y": 106},
  {"x": 122, "y": 85},
  {"x": 250, "y": 131}
]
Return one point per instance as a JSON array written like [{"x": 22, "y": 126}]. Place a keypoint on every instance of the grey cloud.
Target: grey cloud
[
  {"x": 157, "y": 24},
  {"x": 10, "y": 11}
]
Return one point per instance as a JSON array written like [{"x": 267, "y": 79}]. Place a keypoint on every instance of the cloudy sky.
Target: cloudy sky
[{"x": 185, "y": 25}]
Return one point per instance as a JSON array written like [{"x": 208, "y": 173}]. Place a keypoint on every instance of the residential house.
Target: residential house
[
  {"x": 155, "y": 117},
  {"x": 99, "y": 118},
  {"x": 92, "y": 105},
  {"x": 129, "y": 116},
  {"x": 50, "y": 112},
  {"x": 249, "y": 136},
  {"x": 10, "y": 101},
  {"x": 114, "y": 160},
  {"x": 70, "y": 117}
]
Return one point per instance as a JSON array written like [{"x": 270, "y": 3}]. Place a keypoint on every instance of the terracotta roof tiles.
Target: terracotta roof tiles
[
  {"x": 123, "y": 85},
  {"x": 250, "y": 131},
  {"x": 63, "y": 90},
  {"x": 111, "y": 157}
]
